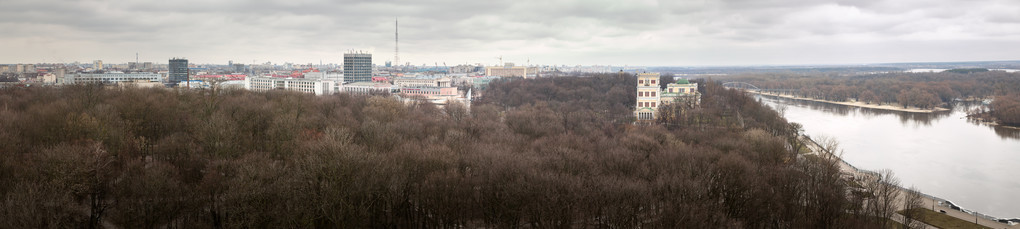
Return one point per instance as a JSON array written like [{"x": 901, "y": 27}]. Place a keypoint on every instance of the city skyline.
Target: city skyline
[{"x": 636, "y": 33}]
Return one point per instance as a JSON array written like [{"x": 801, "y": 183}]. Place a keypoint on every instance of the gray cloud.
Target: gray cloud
[{"x": 640, "y": 32}]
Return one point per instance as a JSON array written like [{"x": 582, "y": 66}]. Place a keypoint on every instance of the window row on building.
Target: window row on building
[
  {"x": 110, "y": 77},
  {"x": 314, "y": 86},
  {"x": 649, "y": 94}
]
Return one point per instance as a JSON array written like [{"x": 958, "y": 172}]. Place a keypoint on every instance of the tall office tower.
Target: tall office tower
[
  {"x": 357, "y": 67},
  {"x": 97, "y": 65},
  {"x": 178, "y": 71}
]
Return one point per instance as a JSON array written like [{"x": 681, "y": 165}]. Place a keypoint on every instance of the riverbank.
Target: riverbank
[
  {"x": 984, "y": 118},
  {"x": 936, "y": 204},
  {"x": 857, "y": 104}
]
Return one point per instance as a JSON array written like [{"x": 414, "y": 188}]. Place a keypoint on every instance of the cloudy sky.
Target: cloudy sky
[{"x": 586, "y": 32}]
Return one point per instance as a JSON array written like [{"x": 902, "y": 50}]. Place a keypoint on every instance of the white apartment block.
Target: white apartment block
[
  {"x": 109, "y": 78},
  {"x": 315, "y": 86}
]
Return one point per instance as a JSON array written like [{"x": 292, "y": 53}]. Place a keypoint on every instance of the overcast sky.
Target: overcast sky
[{"x": 586, "y": 32}]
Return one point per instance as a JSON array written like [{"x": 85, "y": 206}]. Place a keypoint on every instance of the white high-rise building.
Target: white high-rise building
[{"x": 647, "y": 96}]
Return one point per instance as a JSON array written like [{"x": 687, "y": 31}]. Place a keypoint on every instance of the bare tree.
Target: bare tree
[
  {"x": 911, "y": 206},
  {"x": 825, "y": 189},
  {"x": 884, "y": 187}
]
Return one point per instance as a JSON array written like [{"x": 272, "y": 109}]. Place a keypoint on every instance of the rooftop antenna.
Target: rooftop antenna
[{"x": 396, "y": 41}]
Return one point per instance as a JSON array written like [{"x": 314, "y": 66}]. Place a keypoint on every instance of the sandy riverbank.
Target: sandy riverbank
[{"x": 858, "y": 104}]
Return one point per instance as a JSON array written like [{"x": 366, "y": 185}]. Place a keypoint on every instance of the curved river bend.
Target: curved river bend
[{"x": 943, "y": 154}]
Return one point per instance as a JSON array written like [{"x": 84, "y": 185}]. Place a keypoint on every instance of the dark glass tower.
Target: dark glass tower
[
  {"x": 178, "y": 71},
  {"x": 357, "y": 67}
]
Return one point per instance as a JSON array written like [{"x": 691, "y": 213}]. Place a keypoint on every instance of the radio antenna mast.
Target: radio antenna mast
[{"x": 396, "y": 42}]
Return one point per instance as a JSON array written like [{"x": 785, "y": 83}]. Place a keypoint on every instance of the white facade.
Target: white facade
[
  {"x": 650, "y": 97},
  {"x": 422, "y": 82},
  {"x": 323, "y": 75},
  {"x": 111, "y": 77},
  {"x": 49, "y": 78},
  {"x": 315, "y": 86},
  {"x": 365, "y": 88},
  {"x": 647, "y": 96}
]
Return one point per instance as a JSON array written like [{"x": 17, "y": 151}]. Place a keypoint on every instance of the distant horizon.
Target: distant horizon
[{"x": 614, "y": 65}]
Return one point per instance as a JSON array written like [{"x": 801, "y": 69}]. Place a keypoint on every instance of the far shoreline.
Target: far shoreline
[
  {"x": 857, "y": 104},
  {"x": 990, "y": 121}
]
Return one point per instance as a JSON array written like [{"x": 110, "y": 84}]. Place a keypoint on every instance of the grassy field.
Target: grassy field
[
  {"x": 891, "y": 224},
  {"x": 942, "y": 220}
]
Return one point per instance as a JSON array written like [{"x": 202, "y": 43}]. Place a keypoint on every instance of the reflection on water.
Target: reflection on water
[
  {"x": 1007, "y": 132},
  {"x": 906, "y": 118},
  {"x": 943, "y": 153}
]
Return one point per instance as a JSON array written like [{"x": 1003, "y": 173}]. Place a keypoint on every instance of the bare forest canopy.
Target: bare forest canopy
[
  {"x": 552, "y": 152},
  {"x": 1005, "y": 110}
]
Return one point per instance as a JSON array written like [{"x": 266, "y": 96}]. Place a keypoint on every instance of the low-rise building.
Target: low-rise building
[
  {"x": 141, "y": 84},
  {"x": 368, "y": 88},
  {"x": 429, "y": 92},
  {"x": 314, "y": 86},
  {"x": 482, "y": 83},
  {"x": 464, "y": 68},
  {"x": 422, "y": 82},
  {"x": 511, "y": 71},
  {"x": 681, "y": 89},
  {"x": 49, "y": 78},
  {"x": 111, "y": 78}
]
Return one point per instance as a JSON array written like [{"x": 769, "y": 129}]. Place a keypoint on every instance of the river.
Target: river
[{"x": 974, "y": 165}]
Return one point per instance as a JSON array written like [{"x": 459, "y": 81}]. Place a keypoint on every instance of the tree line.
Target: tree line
[
  {"x": 545, "y": 153},
  {"x": 922, "y": 90},
  {"x": 1003, "y": 109}
]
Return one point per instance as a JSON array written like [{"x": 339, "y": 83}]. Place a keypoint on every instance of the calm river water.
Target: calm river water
[{"x": 973, "y": 165}]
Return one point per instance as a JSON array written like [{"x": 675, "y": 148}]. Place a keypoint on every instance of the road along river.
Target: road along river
[{"x": 974, "y": 165}]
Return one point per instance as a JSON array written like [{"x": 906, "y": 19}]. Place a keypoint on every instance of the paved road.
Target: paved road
[{"x": 967, "y": 217}]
